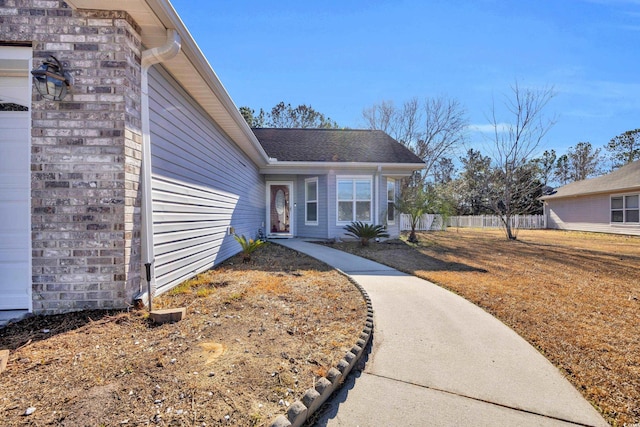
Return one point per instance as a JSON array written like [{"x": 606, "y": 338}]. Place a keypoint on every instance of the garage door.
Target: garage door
[{"x": 15, "y": 186}]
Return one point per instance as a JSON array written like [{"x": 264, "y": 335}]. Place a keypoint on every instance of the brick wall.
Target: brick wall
[{"x": 86, "y": 154}]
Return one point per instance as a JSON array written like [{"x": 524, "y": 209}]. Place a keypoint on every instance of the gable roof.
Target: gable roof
[
  {"x": 623, "y": 179},
  {"x": 334, "y": 146}
]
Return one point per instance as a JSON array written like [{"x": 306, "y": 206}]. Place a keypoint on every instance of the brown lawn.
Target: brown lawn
[
  {"x": 574, "y": 296},
  {"x": 256, "y": 336}
]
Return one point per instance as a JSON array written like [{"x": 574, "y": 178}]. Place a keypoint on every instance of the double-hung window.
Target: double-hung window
[
  {"x": 354, "y": 199},
  {"x": 391, "y": 197},
  {"x": 311, "y": 201},
  {"x": 625, "y": 209}
]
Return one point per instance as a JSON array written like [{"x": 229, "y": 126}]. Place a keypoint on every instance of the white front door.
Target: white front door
[
  {"x": 279, "y": 209},
  {"x": 15, "y": 179}
]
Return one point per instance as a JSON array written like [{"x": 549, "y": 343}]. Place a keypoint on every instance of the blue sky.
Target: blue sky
[{"x": 343, "y": 56}]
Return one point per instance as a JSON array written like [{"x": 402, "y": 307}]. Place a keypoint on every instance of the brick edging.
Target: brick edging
[{"x": 312, "y": 399}]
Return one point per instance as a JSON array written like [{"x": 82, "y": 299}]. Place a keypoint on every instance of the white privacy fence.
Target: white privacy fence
[
  {"x": 494, "y": 221},
  {"x": 434, "y": 222},
  {"x": 427, "y": 222}
]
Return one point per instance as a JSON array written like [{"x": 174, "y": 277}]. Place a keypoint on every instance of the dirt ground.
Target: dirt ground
[
  {"x": 574, "y": 296},
  {"x": 256, "y": 336}
]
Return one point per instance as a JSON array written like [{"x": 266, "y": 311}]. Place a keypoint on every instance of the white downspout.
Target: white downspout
[{"x": 149, "y": 58}]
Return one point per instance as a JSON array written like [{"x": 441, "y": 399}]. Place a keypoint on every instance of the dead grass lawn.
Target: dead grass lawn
[
  {"x": 256, "y": 336},
  {"x": 574, "y": 296}
]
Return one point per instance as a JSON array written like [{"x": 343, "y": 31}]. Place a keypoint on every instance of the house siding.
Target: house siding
[
  {"x": 392, "y": 229},
  {"x": 585, "y": 213},
  {"x": 202, "y": 185},
  {"x": 314, "y": 231},
  {"x": 85, "y": 156}
]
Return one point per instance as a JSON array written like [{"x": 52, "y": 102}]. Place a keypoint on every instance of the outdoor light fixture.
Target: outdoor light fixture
[{"x": 51, "y": 80}]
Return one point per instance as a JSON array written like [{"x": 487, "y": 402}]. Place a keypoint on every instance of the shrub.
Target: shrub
[
  {"x": 248, "y": 246},
  {"x": 365, "y": 232}
]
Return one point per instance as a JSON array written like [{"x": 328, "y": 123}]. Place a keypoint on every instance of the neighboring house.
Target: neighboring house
[
  {"x": 146, "y": 161},
  {"x": 608, "y": 203}
]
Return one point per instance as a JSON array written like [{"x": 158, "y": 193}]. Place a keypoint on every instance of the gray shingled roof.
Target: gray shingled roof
[
  {"x": 625, "y": 178},
  {"x": 333, "y": 145}
]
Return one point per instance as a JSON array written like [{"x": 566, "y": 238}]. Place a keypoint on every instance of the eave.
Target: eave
[
  {"x": 621, "y": 190},
  {"x": 189, "y": 67},
  {"x": 304, "y": 168}
]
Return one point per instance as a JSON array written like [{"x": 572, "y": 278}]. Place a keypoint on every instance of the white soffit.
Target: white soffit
[{"x": 189, "y": 67}]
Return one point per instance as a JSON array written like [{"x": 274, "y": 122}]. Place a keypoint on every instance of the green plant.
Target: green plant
[
  {"x": 248, "y": 246},
  {"x": 365, "y": 232}
]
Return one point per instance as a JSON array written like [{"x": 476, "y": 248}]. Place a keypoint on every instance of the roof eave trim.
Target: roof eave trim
[
  {"x": 169, "y": 18},
  {"x": 275, "y": 166},
  {"x": 197, "y": 58},
  {"x": 285, "y": 163},
  {"x": 591, "y": 193}
]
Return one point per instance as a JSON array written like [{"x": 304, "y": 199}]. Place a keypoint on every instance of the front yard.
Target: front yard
[
  {"x": 257, "y": 335},
  {"x": 574, "y": 296}
]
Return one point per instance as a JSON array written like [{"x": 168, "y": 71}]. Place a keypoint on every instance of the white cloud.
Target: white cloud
[{"x": 489, "y": 128}]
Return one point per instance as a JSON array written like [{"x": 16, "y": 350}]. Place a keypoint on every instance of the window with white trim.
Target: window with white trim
[
  {"x": 391, "y": 197},
  {"x": 311, "y": 201},
  {"x": 625, "y": 209},
  {"x": 354, "y": 199}
]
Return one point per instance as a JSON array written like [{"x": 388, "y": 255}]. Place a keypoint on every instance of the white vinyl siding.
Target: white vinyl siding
[
  {"x": 354, "y": 199},
  {"x": 202, "y": 185},
  {"x": 311, "y": 201}
]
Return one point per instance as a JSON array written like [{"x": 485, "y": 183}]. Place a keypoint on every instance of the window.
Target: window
[
  {"x": 625, "y": 209},
  {"x": 311, "y": 201},
  {"x": 354, "y": 199},
  {"x": 391, "y": 197}
]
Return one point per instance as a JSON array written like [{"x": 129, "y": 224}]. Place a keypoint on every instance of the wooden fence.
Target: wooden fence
[{"x": 434, "y": 222}]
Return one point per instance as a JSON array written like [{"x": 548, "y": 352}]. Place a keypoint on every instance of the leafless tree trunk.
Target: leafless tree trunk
[{"x": 513, "y": 144}]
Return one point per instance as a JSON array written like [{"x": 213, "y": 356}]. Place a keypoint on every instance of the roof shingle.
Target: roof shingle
[
  {"x": 625, "y": 178},
  {"x": 333, "y": 145}
]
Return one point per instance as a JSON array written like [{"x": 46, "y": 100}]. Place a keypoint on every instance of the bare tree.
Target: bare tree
[
  {"x": 513, "y": 143},
  {"x": 381, "y": 117},
  {"x": 430, "y": 129}
]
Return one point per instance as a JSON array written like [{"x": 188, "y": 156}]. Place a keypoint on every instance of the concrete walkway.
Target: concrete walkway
[{"x": 438, "y": 360}]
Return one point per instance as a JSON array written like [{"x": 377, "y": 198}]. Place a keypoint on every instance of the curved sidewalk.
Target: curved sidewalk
[{"x": 438, "y": 360}]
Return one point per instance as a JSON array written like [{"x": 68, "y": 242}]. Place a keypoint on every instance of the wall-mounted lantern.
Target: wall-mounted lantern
[{"x": 51, "y": 80}]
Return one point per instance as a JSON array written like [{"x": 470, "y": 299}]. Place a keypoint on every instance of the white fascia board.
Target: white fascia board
[
  {"x": 611, "y": 191},
  {"x": 302, "y": 168},
  {"x": 190, "y": 67}
]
